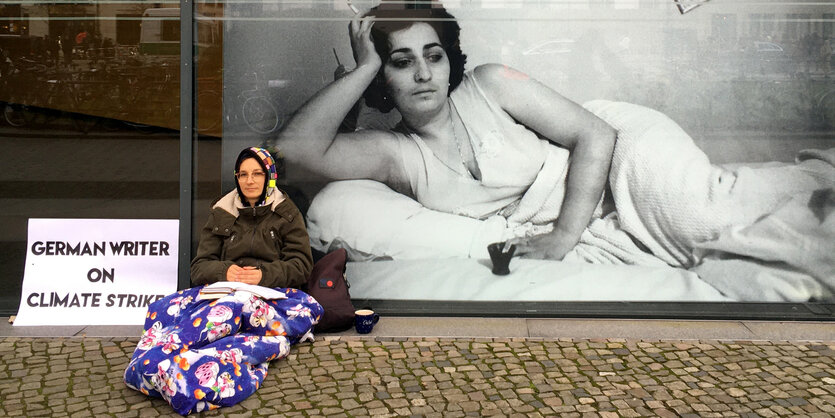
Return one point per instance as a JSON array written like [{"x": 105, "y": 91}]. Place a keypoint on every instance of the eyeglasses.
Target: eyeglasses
[{"x": 256, "y": 175}]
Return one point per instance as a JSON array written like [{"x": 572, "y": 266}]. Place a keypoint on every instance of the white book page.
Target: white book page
[{"x": 228, "y": 287}]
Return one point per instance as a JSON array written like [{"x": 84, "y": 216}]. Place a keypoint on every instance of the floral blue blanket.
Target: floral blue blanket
[{"x": 203, "y": 354}]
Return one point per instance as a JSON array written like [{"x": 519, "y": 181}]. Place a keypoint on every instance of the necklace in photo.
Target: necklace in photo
[
  {"x": 462, "y": 171},
  {"x": 466, "y": 172}
]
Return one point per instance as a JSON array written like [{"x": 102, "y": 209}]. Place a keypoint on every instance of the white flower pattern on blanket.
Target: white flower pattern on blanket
[
  {"x": 177, "y": 304},
  {"x": 221, "y": 383},
  {"x": 215, "y": 325},
  {"x": 163, "y": 379},
  {"x": 260, "y": 312},
  {"x": 298, "y": 311}
]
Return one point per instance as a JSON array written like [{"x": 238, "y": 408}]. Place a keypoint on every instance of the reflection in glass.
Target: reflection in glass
[
  {"x": 89, "y": 94},
  {"x": 108, "y": 63}
]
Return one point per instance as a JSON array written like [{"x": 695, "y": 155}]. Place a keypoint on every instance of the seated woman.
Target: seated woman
[
  {"x": 493, "y": 141},
  {"x": 255, "y": 234}
]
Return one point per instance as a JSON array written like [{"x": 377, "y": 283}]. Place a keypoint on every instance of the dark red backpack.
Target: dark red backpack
[{"x": 327, "y": 284}]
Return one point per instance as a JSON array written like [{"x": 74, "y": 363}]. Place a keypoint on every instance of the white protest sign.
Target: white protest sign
[{"x": 96, "y": 271}]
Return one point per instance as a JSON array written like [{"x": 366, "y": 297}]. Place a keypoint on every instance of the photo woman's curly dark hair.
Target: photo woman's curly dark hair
[{"x": 394, "y": 17}]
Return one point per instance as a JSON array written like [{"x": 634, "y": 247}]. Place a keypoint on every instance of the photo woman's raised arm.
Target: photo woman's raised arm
[
  {"x": 311, "y": 138},
  {"x": 590, "y": 140}
]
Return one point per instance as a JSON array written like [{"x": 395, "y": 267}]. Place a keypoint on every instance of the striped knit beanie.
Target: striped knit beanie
[{"x": 267, "y": 163}]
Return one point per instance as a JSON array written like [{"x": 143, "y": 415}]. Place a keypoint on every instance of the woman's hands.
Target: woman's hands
[
  {"x": 248, "y": 274},
  {"x": 361, "y": 43}
]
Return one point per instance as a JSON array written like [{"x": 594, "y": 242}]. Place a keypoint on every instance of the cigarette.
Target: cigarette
[{"x": 353, "y": 8}]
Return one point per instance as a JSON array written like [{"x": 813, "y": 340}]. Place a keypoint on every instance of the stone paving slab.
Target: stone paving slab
[{"x": 394, "y": 376}]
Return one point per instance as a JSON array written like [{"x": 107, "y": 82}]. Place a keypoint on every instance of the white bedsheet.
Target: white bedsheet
[
  {"x": 724, "y": 217},
  {"x": 529, "y": 280}
]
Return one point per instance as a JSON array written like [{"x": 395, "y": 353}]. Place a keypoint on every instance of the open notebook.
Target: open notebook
[{"x": 219, "y": 289}]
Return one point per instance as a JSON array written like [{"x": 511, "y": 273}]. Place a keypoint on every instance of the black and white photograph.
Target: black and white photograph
[{"x": 550, "y": 151}]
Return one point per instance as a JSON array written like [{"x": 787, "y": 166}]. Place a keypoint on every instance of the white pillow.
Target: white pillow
[{"x": 372, "y": 221}]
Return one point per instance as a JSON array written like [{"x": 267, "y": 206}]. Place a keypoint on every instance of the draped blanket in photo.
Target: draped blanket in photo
[
  {"x": 200, "y": 355},
  {"x": 756, "y": 232}
]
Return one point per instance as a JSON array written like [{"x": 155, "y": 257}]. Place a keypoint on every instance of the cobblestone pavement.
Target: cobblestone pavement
[{"x": 360, "y": 376}]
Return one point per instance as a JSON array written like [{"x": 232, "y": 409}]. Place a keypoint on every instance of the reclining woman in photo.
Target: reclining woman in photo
[
  {"x": 493, "y": 141},
  {"x": 254, "y": 234}
]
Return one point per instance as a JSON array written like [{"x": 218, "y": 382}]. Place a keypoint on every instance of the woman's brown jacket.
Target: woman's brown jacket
[{"x": 270, "y": 237}]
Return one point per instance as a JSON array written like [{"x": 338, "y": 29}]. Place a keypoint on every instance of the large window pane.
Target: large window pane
[
  {"x": 90, "y": 101},
  {"x": 208, "y": 105},
  {"x": 750, "y": 83}
]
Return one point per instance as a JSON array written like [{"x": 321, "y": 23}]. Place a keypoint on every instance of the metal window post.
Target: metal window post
[{"x": 186, "y": 135}]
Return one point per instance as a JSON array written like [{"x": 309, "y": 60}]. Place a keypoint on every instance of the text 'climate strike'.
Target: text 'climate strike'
[{"x": 91, "y": 300}]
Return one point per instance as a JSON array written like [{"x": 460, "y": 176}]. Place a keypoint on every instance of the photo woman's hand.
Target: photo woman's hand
[
  {"x": 362, "y": 45},
  {"x": 550, "y": 246}
]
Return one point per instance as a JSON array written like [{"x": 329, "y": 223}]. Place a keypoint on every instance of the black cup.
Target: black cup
[{"x": 500, "y": 259}]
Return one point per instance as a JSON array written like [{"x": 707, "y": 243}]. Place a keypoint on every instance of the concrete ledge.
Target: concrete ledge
[
  {"x": 51, "y": 331},
  {"x": 392, "y": 326},
  {"x": 466, "y": 327},
  {"x": 644, "y": 329}
]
